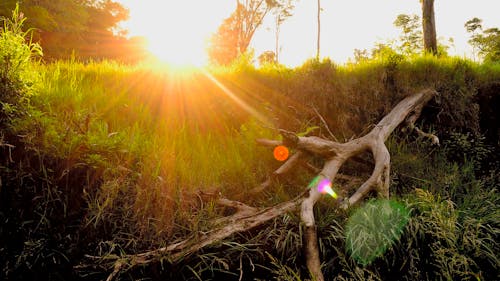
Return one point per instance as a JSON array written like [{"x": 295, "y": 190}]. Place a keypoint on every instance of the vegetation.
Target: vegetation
[
  {"x": 17, "y": 75},
  {"x": 234, "y": 35},
  {"x": 87, "y": 29},
  {"x": 487, "y": 41},
  {"x": 101, "y": 159},
  {"x": 411, "y": 36}
]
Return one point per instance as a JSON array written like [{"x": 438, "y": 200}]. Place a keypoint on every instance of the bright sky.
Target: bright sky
[{"x": 345, "y": 25}]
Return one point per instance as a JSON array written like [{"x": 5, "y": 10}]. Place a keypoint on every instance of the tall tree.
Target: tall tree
[
  {"x": 487, "y": 41},
  {"x": 472, "y": 26},
  {"x": 236, "y": 32},
  {"x": 249, "y": 16},
  {"x": 99, "y": 37},
  {"x": 319, "y": 29},
  {"x": 411, "y": 36},
  {"x": 224, "y": 46},
  {"x": 429, "y": 26},
  {"x": 282, "y": 11}
]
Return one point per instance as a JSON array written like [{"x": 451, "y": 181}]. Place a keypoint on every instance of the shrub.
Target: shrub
[{"x": 16, "y": 56}]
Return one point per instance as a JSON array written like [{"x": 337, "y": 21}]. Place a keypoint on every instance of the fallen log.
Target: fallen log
[{"x": 335, "y": 154}]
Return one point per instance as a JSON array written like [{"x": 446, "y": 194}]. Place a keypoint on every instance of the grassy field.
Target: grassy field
[{"x": 106, "y": 159}]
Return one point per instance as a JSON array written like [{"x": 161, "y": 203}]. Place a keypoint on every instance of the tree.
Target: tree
[
  {"x": 267, "y": 57},
  {"x": 99, "y": 36},
  {"x": 429, "y": 27},
  {"x": 487, "y": 42},
  {"x": 249, "y": 16},
  {"x": 411, "y": 37},
  {"x": 236, "y": 32},
  {"x": 360, "y": 55},
  {"x": 472, "y": 26},
  {"x": 319, "y": 29},
  {"x": 86, "y": 28},
  {"x": 224, "y": 43},
  {"x": 282, "y": 11}
]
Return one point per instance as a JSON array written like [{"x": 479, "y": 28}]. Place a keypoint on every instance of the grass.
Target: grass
[{"x": 113, "y": 158}]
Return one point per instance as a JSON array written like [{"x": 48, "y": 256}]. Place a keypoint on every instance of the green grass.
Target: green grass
[{"x": 114, "y": 157}]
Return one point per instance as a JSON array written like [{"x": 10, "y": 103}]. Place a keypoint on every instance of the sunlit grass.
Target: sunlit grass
[
  {"x": 143, "y": 141},
  {"x": 155, "y": 136},
  {"x": 373, "y": 228}
]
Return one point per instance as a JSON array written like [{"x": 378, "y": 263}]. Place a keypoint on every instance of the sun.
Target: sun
[
  {"x": 177, "y": 48},
  {"x": 176, "y": 31}
]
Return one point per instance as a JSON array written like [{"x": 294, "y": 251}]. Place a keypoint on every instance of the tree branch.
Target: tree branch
[{"x": 335, "y": 155}]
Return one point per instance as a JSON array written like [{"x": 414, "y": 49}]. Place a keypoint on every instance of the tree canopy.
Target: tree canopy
[
  {"x": 83, "y": 28},
  {"x": 236, "y": 32},
  {"x": 411, "y": 33},
  {"x": 487, "y": 41}
]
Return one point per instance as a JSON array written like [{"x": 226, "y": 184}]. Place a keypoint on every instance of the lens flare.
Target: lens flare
[
  {"x": 281, "y": 153},
  {"x": 374, "y": 228},
  {"x": 314, "y": 182},
  {"x": 325, "y": 186}
]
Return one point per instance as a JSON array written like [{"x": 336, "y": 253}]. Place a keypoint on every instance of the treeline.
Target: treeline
[{"x": 85, "y": 29}]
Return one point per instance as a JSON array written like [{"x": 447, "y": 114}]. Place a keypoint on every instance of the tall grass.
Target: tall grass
[
  {"x": 115, "y": 157},
  {"x": 148, "y": 144}
]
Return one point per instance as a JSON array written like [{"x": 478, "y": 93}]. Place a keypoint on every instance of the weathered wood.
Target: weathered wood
[
  {"x": 244, "y": 219},
  {"x": 337, "y": 153}
]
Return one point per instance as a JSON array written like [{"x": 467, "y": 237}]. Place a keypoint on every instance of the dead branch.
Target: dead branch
[
  {"x": 335, "y": 154},
  {"x": 410, "y": 123},
  {"x": 244, "y": 219},
  {"x": 325, "y": 124},
  {"x": 282, "y": 170}
]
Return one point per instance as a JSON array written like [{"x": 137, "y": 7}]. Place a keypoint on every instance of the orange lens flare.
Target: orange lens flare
[{"x": 280, "y": 153}]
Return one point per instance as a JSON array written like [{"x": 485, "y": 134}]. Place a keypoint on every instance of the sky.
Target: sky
[{"x": 345, "y": 25}]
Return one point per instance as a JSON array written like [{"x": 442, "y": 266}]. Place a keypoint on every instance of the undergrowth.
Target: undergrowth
[{"x": 106, "y": 160}]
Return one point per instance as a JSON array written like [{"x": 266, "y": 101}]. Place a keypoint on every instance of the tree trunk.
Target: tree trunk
[
  {"x": 429, "y": 27},
  {"x": 319, "y": 29},
  {"x": 277, "y": 37}
]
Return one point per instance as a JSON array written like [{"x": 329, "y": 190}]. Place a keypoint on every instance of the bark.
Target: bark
[
  {"x": 312, "y": 252},
  {"x": 335, "y": 154},
  {"x": 429, "y": 26}
]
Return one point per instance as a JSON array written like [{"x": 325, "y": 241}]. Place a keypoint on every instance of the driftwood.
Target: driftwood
[{"x": 335, "y": 154}]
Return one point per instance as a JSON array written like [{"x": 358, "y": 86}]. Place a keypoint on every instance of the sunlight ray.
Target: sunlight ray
[{"x": 245, "y": 106}]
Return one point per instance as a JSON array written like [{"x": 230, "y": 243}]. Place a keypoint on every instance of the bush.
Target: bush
[{"x": 16, "y": 55}]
